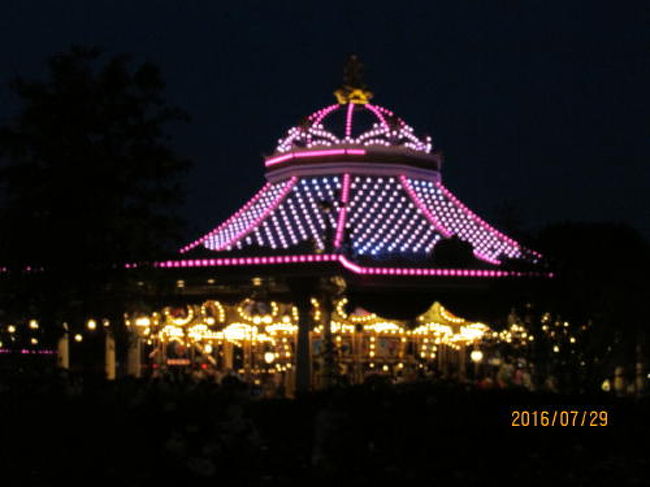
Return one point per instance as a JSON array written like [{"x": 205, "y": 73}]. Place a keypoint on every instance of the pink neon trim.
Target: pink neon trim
[
  {"x": 425, "y": 211},
  {"x": 275, "y": 160},
  {"x": 316, "y": 153},
  {"x": 319, "y": 115},
  {"x": 345, "y": 194},
  {"x": 243, "y": 209},
  {"x": 473, "y": 216},
  {"x": 356, "y": 268},
  {"x": 348, "y": 120},
  {"x": 378, "y": 114},
  {"x": 288, "y": 187},
  {"x": 438, "y": 225}
]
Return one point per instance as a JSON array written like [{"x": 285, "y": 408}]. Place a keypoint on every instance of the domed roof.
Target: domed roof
[{"x": 356, "y": 122}]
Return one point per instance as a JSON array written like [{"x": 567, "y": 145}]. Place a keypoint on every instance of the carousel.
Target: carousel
[
  {"x": 256, "y": 341},
  {"x": 337, "y": 267}
]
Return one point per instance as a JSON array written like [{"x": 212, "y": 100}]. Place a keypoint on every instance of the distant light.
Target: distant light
[
  {"x": 91, "y": 324},
  {"x": 207, "y": 348},
  {"x": 34, "y": 341},
  {"x": 33, "y": 324},
  {"x": 106, "y": 323},
  {"x": 143, "y": 321},
  {"x": 476, "y": 356},
  {"x": 385, "y": 368},
  {"x": 605, "y": 386},
  {"x": 78, "y": 337},
  {"x": 556, "y": 349},
  {"x": 209, "y": 320},
  {"x": 11, "y": 329},
  {"x": 269, "y": 357}
]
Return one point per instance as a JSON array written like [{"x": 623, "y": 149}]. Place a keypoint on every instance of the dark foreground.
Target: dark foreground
[{"x": 132, "y": 433}]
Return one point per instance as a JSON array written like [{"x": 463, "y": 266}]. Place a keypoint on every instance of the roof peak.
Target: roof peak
[{"x": 354, "y": 89}]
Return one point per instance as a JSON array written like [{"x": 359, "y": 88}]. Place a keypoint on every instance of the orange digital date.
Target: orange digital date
[{"x": 562, "y": 418}]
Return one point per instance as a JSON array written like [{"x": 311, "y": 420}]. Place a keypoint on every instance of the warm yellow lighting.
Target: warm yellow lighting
[
  {"x": 78, "y": 337},
  {"x": 143, "y": 321},
  {"x": 572, "y": 340},
  {"x": 34, "y": 341},
  {"x": 269, "y": 357},
  {"x": 476, "y": 356},
  {"x": 556, "y": 349},
  {"x": 91, "y": 324},
  {"x": 207, "y": 348},
  {"x": 385, "y": 368},
  {"x": 11, "y": 329},
  {"x": 33, "y": 324}
]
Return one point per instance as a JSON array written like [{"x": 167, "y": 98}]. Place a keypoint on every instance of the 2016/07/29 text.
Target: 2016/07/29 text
[{"x": 563, "y": 418}]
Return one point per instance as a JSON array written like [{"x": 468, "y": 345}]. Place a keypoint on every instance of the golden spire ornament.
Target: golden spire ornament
[{"x": 354, "y": 90}]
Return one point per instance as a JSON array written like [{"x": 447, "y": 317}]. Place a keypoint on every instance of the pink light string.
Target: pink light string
[
  {"x": 288, "y": 187},
  {"x": 348, "y": 120},
  {"x": 433, "y": 219},
  {"x": 347, "y": 264},
  {"x": 236, "y": 215},
  {"x": 345, "y": 196},
  {"x": 316, "y": 153}
]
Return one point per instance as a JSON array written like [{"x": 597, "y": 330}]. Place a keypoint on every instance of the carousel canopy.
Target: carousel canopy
[{"x": 354, "y": 185}]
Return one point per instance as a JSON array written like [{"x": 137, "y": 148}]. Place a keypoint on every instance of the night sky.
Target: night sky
[{"x": 541, "y": 108}]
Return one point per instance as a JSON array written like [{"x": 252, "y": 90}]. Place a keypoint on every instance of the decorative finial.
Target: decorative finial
[{"x": 354, "y": 90}]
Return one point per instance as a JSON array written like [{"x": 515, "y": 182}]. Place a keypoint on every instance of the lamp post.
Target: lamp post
[
  {"x": 477, "y": 357},
  {"x": 63, "y": 349}
]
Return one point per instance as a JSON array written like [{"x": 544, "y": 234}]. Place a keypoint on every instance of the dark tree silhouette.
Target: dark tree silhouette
[
  {"x": 89, "y": 180},
  {"x": 600, "y": 282},
  {"x": 454, "y": 252}
]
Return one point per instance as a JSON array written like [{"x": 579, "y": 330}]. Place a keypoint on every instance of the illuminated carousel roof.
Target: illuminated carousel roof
[{"x": 353, "y": 181}]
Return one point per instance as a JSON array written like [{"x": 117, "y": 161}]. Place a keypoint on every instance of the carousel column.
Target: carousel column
[
  {"x": 357, "y": 351},
  {"x": 303, "y": 351},
  {"x": 248, "y": 359},
  {"x": 328, "y": 344},
  {"x": 109, "y": 352},
  {"x": 134, "y": 355},
  {"x": 63, "y": 350},
  {"x": 227, "y": 355},
  {"x": 462, "y": 363}
]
